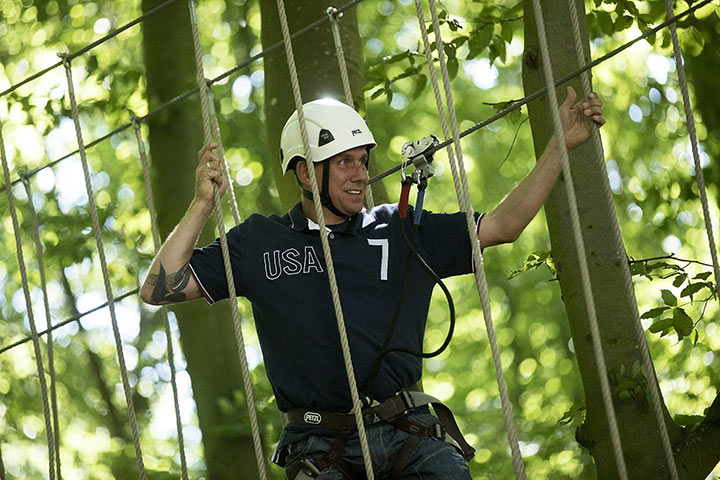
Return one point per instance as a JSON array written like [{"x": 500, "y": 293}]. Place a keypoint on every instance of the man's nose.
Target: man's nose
[{"x": 359, "y": 170}]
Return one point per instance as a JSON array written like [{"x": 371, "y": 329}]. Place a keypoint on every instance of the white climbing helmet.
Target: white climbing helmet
[{"x": 332, "y": 126}]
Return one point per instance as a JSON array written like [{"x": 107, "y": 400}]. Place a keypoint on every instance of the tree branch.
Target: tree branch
[{"x": 699, "y": 450}]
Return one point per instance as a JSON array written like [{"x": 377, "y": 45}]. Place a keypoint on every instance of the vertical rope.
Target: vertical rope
[
  {"x": 221, "y": 154},
  {"x": 357, "y": 408},
  {"x": 163, "y": 310},
  {"x": 103, "y": 264},
  {"x": 46, "y": 304},
  {"x": 621, "y": 255},
  {"x": 690, "y": 120},
  {"x": 463, "y": 192},
  {"x": 244, "y": 367},
  {"x": 579, "y": 245},
  {"x": 28, "y": 307},
  {"x": 334, "y": 17}
]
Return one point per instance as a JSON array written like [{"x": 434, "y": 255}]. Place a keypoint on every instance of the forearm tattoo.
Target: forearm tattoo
[{"x": 168, "y": 288}]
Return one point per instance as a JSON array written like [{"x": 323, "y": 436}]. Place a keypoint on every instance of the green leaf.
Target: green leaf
[
  {"x": 500, "y": 48},
  {"x": 695, "y": 340},
  {"x": 479, "y": 40},
  {"x": 702, "y": 276},
  {"x": 625, "y": 386},
  {"x": 506, "y": 32},
  {"x": 638, "y": 268},
  {"x": 452, "y": 65},
  {"x": 661, "y": 325},
  {"x": 690, "y": 421},
  {"x": 679, "y": 280},
  {"x": 691, "y": 289},
  {"x": 576, "y": 414},
  {"x": 654, "y": 312},
  {"x": 668, "y": 298},
  {"x": 605, "y": 22},
  {"x": 682, "y": 322}
]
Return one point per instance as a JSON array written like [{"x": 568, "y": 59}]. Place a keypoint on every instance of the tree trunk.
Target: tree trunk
[
  {"x": 318, "y": 73},
  {"x": 206, "y": 332},
  {"x": 639, "y": 431}
]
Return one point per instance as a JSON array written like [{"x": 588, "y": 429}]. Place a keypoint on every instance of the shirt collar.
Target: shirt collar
[{"x": 299, "y": 222}]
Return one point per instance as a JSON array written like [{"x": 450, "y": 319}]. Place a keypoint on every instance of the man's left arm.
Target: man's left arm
[{"x": 506, "y": 222}]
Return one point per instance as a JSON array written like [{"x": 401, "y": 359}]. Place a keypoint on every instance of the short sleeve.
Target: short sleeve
[
  {"x": 444, "y": 242},
  {"x": 208, "y": 268}
]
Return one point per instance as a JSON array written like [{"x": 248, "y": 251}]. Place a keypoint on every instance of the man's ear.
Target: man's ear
[{"x": 302, "y": 174}]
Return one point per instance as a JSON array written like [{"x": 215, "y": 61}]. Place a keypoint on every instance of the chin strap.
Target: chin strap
[{"x": 325, "y": 199}]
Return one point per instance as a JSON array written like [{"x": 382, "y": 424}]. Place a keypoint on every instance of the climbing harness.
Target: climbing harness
[{"x": 392, "y": 411}]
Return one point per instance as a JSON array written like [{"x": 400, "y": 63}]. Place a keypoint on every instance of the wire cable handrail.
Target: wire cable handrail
[
  {"x": 67, "y": 321},
  {"x": 529, "y": 98},
  {"x": 88, "y": 47},
  {"x": 183, "y": 95},
  {"x": 463, "y": 134}
]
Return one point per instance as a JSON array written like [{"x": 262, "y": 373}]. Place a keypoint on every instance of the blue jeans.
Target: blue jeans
[{"x": 432, "y": 458}]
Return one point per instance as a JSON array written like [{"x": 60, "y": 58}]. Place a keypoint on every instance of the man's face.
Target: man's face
[{"x": 348, "y": 180}]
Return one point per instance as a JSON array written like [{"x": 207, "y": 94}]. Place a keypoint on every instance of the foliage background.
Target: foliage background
[{"x": 650, "y": 170}]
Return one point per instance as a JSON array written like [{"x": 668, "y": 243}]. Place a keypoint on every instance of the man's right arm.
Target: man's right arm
[{"x": 169, "y": 279}]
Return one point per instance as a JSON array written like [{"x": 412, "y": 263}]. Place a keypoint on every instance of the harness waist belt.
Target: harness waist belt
[{"x": 388, "y": 411}]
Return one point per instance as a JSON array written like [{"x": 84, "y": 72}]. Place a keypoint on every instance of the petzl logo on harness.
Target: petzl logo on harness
[{"x": 313, "y": 418}]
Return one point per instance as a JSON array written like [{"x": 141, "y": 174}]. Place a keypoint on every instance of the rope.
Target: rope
[
  {"x": 221, "y": 154},
  {"x": 247, "y": 383},
  {"x": 46, "y": 304},
  {"x": 579, "y": 245},
  {"x": 621, "y": 255},
  {"x": 340, "y": 53},
  {"x": 463, "y": 192},
  {"x": 28, "y": 307},
  {"x": 345, "y": 345},
  {"x": 690, "y": 119},
  {"x": 163, "y": 310},
  {"x": 445, "y": 144},
  {"x": 103, "y": 264}
]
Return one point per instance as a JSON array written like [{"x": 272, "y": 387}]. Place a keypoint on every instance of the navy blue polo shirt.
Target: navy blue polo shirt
[{"x": 278, "y": 264}]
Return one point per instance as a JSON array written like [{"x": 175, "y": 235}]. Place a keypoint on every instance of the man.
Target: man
[{"x": 278, "y": 265}]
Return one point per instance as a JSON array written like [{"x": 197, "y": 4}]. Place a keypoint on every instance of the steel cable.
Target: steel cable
[
  {"x": 69, "y": 320},
  {"x": 477, "y": 126}
]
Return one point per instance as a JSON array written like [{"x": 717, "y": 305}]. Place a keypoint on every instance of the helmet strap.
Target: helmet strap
[{"x": 325, "y": 199}]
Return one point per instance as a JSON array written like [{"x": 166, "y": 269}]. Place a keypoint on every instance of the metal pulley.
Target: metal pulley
[{"x": 420, "y": 154}]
